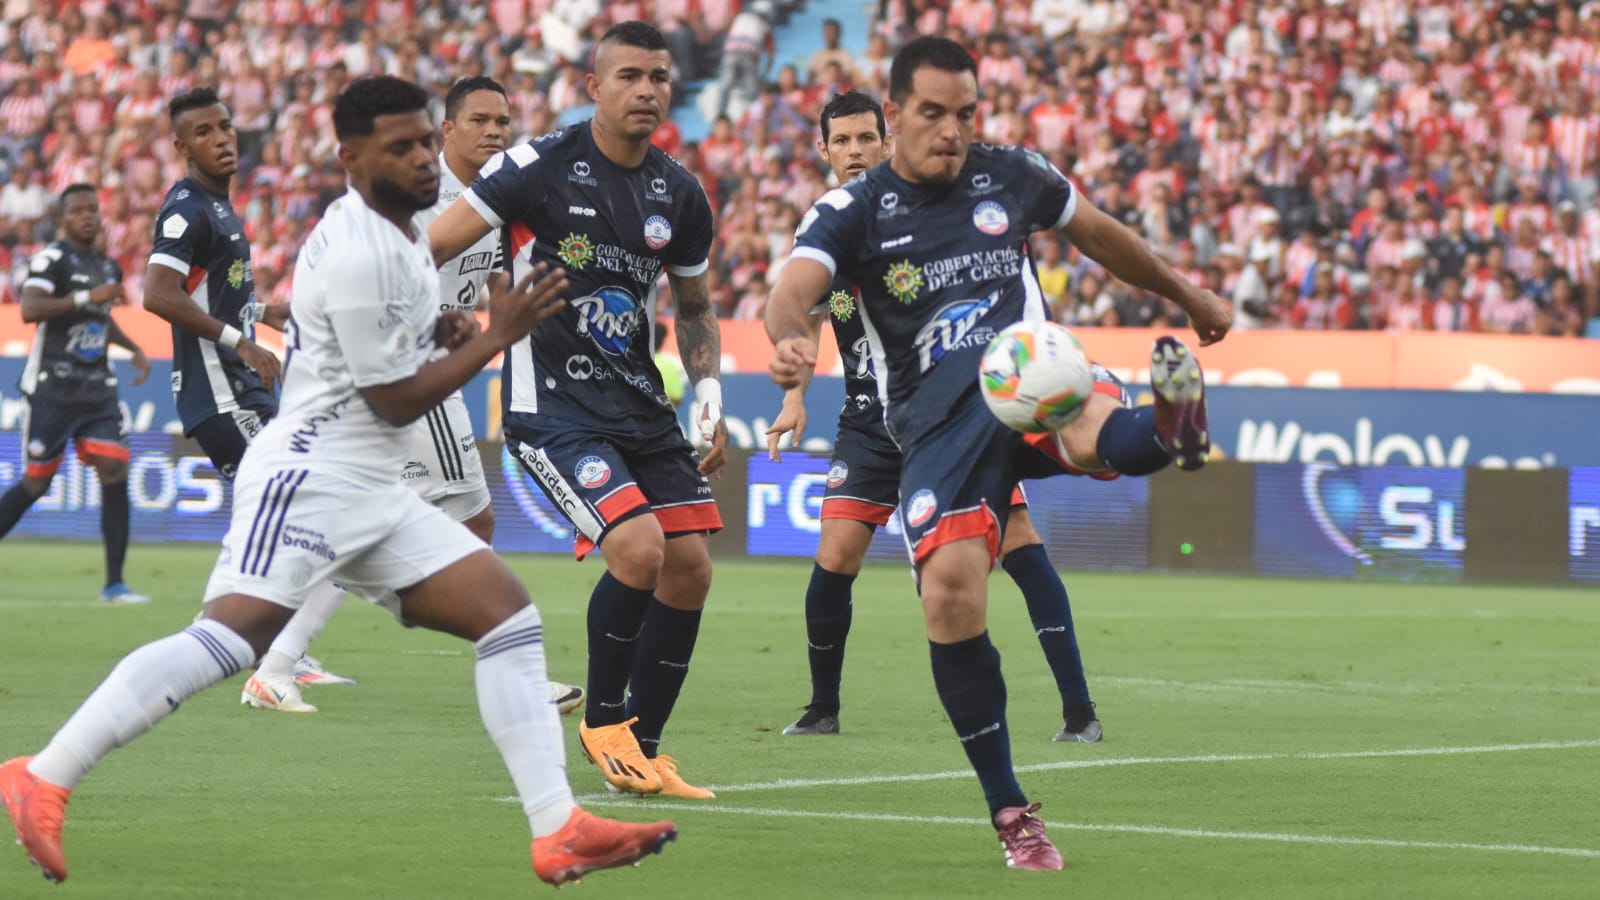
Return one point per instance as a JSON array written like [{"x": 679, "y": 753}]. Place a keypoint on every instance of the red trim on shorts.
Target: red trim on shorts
[
  {"x": 1018, "y": 498},
  {"x": 521, "y": 236},
  {"x": 856, "y": 510},
  {"x": 1114, "y": 391},
  {"x": 88, "y": 447},
  {"x": 43, "y": 469},
  {"x": 196, "y": 275},
  {"x": 958, "y": 526},
  {"x": 619, "y": 503},
  {"x": 1047, "y": 443},
  {"x": 689, "y": 518}
]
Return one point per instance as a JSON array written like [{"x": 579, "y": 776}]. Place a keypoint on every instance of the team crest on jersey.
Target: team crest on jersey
[
  {"x": 657, "y": 232},
  {"x": 593, "y": 472},
  {"x": 609, "y": 317},
  {"x": 904, "y": 281},
  {"x": 575, "y": 251},
  {"x": 837, "y": 473},
  {"x": 842, "y": 304},
  {"x": 990, "y": 217},
  {"x": 921, "y": 507},
  {"x": 236, "y": 273}
]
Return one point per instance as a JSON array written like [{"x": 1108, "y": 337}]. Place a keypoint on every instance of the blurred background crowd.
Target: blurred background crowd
[{"x": 1323, "y": 164}]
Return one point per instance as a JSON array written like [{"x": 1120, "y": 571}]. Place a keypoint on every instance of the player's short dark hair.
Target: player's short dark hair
[
  {"x": 850, "y": 103},
  {"x": 833, "y": 22},
  {"x": 927, "y": 51},
  {"x": 78, "y": 187},
  {"x": 365, "y": 99},
  {"x": 459, "y": 91},
  {"x": 196, "y": 98},
  {"x": 634, "y": 33}
]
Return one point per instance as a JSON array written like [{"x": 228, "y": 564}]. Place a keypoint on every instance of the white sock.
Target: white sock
[
  {"x": 514, "y": 700},
  {"x": 142, "y": 690},
  {"x": 322, "y": 601}
]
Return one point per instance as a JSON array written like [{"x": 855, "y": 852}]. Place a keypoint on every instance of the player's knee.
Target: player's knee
[
  {"x": 842, "y": 546},
  {"x": 635, "y": 553},
  {"x": 686, "y": 578},
  {"x": 110, "y": 470}
]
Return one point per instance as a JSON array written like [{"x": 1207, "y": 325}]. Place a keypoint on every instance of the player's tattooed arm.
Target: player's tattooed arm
[
  {"x": 699, "y": 338},
  {"x": 140, "y": 363}
]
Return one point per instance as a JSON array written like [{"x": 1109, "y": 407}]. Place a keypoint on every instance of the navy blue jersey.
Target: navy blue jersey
[
  {"x": 199, "y": 236},
  {"x": 941, "y": 269},
  {"x": 862, "y": 408},
  {"x": 69, "y": 351},
  {"x": 559, "y": 200}
]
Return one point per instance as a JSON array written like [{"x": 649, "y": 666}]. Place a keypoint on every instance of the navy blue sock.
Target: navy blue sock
[
  {"x": 616, "y": 611},
  {"x": 1051, "y": 613},
  {"x": 1128, "y": 442},
  {"x": 13, "y": 504},
  {"x": 967, "y": 676},
  {"x": 660, "y": 665},
  {"x": 827, "y": 625},
  {"x": 114, "y": 528}
]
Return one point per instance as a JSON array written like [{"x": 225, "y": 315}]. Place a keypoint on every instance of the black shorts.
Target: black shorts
[
  {"x": 94, "y": 427},
  {"x": 599, "y": 480},
  {"x": 224, "y": 437}
]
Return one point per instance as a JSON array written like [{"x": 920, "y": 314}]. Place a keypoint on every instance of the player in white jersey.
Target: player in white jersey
[
  {"x": 442, "y": 464},
  {"x": 318, "y": 497}
]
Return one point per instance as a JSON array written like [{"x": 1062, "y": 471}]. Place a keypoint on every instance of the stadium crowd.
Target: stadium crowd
[{"x": 1323, "y": 164}]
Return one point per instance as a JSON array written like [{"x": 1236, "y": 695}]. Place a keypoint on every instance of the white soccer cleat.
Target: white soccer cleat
[
  {"x": 310, "y": 671},
  {"x": 566, "y": 697},
  {"x": 276, "y": 693}
]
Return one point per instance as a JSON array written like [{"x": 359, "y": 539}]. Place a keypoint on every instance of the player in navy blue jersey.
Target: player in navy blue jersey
[
  {"x": 936, "y": 242},
  {"x": 585, "y": 408},
  {"x": 199, "y": 279},
  {"x": 71, "y": 390},
  {"x": 863, "y": 486}
]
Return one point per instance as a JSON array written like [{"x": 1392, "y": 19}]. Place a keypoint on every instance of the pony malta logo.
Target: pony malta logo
[
  {"x": 609, "y": 317},
  {"x": 575, "y": 251},
  {"x": 904, "y": 281}
]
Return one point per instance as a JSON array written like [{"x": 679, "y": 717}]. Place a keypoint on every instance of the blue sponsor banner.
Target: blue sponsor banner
[
  {"x": 1387, "y": 523},
  {"x": 1583, "y": 523},
  {"x": 1086, "y": 524},
  {"x": 1299, "y": 425}
]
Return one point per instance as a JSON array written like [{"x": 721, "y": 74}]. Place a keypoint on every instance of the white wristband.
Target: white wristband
[
  {"x": 80, "y": 299},
  {"x": 229, "y": 337},
  {"x": 708, "y": 390}
]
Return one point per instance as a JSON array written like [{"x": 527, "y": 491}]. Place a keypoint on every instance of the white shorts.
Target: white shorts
[
  {"x": 443, "y": 462},
  {"x": 292, "y": 529}
]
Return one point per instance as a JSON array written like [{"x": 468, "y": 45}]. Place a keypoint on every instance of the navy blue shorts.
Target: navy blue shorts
[
  {"x": 599, "y": 480},
  {"x": 95, "y": 429},
  {"x": 224, "y": 437},
  {"x": 864, "y": 477},
  {"x": 959, "y": 480}
]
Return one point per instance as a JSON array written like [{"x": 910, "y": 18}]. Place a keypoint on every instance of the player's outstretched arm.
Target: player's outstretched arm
[
  {"x": 1127, "y": 256},
  {"x": 165, "y": 295},
  {"x": 801, "y": 284},
  {"x": 700, "y": 348},
  {"x": 512, "y": 314},
  {"x": 457, "y": 228},
  {"x": 792, "y": 417}
]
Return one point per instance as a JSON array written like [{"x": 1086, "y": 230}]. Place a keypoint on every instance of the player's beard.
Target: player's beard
[{"x": 390, "y": 193}]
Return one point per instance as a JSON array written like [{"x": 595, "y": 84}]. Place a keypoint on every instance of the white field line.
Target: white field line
[
  {"x": 787, "y": 783},
  {"x": 1204, "y": 833},
  {"x": 1242, "y": 685}
]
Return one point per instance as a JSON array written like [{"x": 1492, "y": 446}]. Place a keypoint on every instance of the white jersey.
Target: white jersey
[
  {"x": 461, "y": 280},
  {"x": 364, "y": 308}
]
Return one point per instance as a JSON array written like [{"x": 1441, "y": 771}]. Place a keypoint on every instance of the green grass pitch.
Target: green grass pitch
[{"x": 1265, "y": 739}]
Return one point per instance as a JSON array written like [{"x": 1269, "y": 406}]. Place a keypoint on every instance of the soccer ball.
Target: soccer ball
[{"x": 1035, "y": 377}]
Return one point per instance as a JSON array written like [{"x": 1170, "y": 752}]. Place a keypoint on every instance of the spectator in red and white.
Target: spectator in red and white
[
  {"x": 1265, "y": 249},
  {"x": 1508, "y": 310},
  {"x": 1453, "y": 310},
  {"x": 1523, "y": 253},
  {"x": 1389, "y": 248},
  {"x": 1301, "y": 256},
  {"x": 1326, "y": 308},
  {"x": 1567, "y": 247},
  {"x": 1243, "y": 215}
]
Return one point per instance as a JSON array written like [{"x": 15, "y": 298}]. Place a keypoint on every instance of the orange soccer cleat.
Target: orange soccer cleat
[
  {"x": 37, "y": 808},
  {"x": 616, "y": 751},
  {"x": 588, "y": 843}
]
